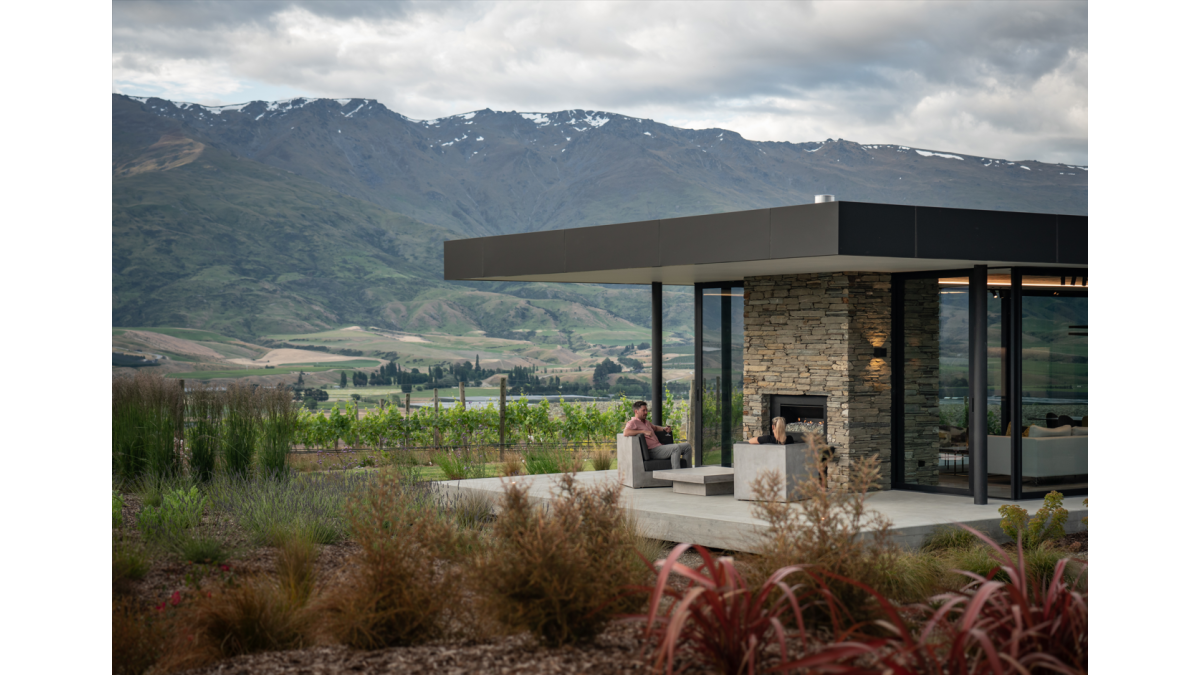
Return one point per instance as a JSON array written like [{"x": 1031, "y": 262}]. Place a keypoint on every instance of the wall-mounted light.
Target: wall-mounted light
[{"x": 881, "y": 352}]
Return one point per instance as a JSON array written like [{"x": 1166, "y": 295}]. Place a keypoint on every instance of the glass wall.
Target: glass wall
[
  {"x": 1054, "y": 385},
  {"x": 722, "y": 345},
  {"x": 1036, "y": 343}
]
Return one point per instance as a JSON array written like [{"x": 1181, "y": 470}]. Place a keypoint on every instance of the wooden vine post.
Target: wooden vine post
[
  {"x": 503, "y": 396},
  {"x": 437, "y": 433}
]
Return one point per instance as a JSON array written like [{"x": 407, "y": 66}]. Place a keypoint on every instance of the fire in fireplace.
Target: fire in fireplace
[{"x": 804, "y": 414}]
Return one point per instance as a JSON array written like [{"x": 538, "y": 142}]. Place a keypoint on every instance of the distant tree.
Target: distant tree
[
  {"x": 300, "y": 379},
  {"x": 343, "y": 379},
  {"x": 603, "y": 370},
  {"x": 310, "y": 403},
  {"x": 477, "y": 363},
  {"x": 356, "y": 397},
  {"x": 644, "y": 345}
]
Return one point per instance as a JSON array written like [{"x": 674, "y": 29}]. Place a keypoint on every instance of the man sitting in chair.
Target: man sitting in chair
[{"x": 639, "y": 426}]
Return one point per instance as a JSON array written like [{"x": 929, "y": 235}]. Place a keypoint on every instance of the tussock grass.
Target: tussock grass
[
  {"x": 948, "y": 538},
  {"x": 139, "y": 636},
  {"x": 559, "y": 572},
  {"x": 278, "y": 507},
  {"x": 602, "y": 460},
  {"x": 830, "y": 529},
  {"x": 403, "y": 588}
]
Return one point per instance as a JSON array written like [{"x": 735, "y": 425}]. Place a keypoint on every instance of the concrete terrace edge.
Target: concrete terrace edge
[{"x": 723, "y": 522}]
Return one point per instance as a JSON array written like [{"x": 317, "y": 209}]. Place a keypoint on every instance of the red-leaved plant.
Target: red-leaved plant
[
  {"x": 990, "y": 627},
  {"x": 719, "y": 621}
]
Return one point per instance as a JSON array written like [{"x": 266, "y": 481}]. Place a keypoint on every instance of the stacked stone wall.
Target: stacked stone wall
[
  {"x": 922, "y": 322},
  {"x": 816, "y": 334}
]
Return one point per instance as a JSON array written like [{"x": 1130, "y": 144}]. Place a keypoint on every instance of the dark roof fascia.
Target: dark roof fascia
[{"x": 801, "y": 231}]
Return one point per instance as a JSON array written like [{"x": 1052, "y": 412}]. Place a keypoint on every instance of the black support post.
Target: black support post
[
  {"x": 697, "y": 435},
  {"x": 977, "y": 381},
  {"x": 656, "y": 353},
  {"x": 727, "y": 376},
  {"x": 1015, "y": 386}
]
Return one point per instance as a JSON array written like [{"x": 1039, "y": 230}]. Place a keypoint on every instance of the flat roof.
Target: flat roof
[{"x": 825, "y": 237}]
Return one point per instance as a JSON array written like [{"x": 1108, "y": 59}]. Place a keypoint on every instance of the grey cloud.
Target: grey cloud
[{"x": 867, "y": 66}]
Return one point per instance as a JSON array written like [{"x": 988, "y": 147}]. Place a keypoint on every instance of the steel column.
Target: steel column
[
  {"x": 697, "y": 432},
  {"x": 727, "y": 376},
  {"x": 977, "y": 382},
  {"x": 1015, "y": 385},
  {"x": 656, "y": 351}
]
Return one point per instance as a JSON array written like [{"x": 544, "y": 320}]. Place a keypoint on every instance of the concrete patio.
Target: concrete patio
[{"x": 723, "y": 522}]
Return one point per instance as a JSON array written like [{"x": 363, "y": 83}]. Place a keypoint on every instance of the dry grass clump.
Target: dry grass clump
[
  {"x": 832, "y": 530},
  {"x": 262, "y": 613},
  {"x": 402, "y": 589},
  {"x": 139, "y": 636},
  {"x": 511, "y": 464},
  {"x": 602, "y": 460},
  {"x": 559, "y": 572}
]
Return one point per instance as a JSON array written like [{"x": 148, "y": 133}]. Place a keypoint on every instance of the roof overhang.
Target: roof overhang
[{"x": 809, "y": 238}]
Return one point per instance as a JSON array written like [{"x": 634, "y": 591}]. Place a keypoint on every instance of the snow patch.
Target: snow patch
[
  {"x": 480, "y": 138},
  {"x": 1026, "y": 168},
  {"x": 351, "y": 113},
  {"x": 344, "y": 101},
  {"x": 537, "y": 118},
  {"x": 647, "y": 133},
  {"x": 923, "y": 153},
  {"x": 466, "y": 116}
]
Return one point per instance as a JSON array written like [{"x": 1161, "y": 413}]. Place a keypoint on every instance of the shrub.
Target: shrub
[
  {"x": 458, "y": 466},
  {"x": 118, "y": 510},
  {"x": 147, "y": 410},
  {"x": 831, "y": 530},
  {"x": 278, "y": 507},
  {"x": 718, "y": 621},
  {"x": 552, "y": 460},
  {"x": 139, "y": 637},
  {"x": 280, "y": 420},
  {"x": 129, "y": 563},
  {"x": 1047, "y": 524},
  {"x": 243, "y": 414},
  {"x": 558, "y": 572},
  {"x": 995, "y": 626},
  {"x": 403, "y": 589},
  {"x": 979, "y": 560},
  {"x": 511, "y": 464},
  {"x": 201, "y": 548},
  {"x": 205, "y": 410},
  {"x": 255, "y": 615},
  {"x": 946, "y": 537},
  {"x": 179, "y": 511},
  {"x": 602, "y": 460},
  {"x": 471, "y": 509}
]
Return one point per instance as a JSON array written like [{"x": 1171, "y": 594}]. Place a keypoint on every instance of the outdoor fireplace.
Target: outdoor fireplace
[{"x": 804, "y": 414}]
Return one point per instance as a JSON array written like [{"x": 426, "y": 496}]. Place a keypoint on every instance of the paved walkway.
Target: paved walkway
[{"x": 724, "y": 522}]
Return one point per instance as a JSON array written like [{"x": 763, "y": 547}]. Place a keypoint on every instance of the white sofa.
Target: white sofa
[{"x": 1040, "y": 457}]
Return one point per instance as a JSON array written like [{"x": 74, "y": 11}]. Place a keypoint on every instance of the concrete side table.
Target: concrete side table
[
  {"x": 701, "y": 480},
  {"x": 790, "y": 461}
]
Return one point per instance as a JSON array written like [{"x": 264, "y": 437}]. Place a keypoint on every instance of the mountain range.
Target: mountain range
[{"x": 295, "y": 216}]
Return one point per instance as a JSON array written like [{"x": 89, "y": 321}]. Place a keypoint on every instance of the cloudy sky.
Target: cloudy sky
[{"x": 999, "y": 79}]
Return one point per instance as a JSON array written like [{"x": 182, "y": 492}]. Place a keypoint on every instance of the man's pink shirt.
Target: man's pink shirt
[{"x": 634, "y": 424}]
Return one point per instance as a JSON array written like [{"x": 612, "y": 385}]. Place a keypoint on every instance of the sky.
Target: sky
[{"x": 997, "y": 79}]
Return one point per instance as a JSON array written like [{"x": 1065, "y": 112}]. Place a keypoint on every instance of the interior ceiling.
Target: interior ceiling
[{"x": 686, "y": 275}]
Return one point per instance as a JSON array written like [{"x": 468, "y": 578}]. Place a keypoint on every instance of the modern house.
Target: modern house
[{"x": 930, "y": 337}]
